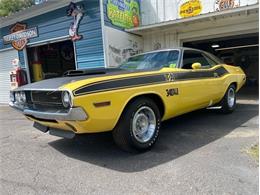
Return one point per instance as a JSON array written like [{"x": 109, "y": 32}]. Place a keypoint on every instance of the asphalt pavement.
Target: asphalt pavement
[{"x": 202, "y": 152}]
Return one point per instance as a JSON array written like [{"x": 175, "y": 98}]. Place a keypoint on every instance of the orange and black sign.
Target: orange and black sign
[{"x": 19, "y": 35}]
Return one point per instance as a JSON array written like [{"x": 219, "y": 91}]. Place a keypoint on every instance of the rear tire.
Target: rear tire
[
  {"x": 139, "y": 125},
  {"x": 228, "y": 103}
]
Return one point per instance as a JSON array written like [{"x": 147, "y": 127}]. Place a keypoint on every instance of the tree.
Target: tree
[{"x": 7, "y": 7}]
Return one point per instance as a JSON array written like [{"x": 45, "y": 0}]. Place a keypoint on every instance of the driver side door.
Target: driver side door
[{"x": 196, "y": 85}]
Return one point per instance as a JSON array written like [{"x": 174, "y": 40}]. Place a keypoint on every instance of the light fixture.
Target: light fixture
[
  {"x": 238, "y": 47},
  {"x": 215, "y": 46}
]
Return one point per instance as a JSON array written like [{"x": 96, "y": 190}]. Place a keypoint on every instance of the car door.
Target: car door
[{"x": 196, "y": 85}]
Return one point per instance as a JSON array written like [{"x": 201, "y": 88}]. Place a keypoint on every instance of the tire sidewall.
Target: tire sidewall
[
  {"x": 133, "y": 141},
  {"x": 225, "y": 106},
  {"x": 234, "y": 105}
]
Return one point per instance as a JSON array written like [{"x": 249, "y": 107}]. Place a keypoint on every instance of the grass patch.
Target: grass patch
[{"x": 254, "y": 152}]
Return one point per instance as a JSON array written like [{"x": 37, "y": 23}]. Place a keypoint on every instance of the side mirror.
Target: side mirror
[{"x": 196, "y": 65}]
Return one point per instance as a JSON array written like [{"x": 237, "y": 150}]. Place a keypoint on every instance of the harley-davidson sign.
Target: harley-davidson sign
[{"x": 19, "y": 35}]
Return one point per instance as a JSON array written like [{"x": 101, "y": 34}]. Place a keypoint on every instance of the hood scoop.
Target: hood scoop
[
  {"x": 84, "y": 72},
  {"x": 94, "y": 71}
]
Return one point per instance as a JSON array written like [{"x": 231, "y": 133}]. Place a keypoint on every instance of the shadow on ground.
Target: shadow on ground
[{"x": 178, "y": 137}]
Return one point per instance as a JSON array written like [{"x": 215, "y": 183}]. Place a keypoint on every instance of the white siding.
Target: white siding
[
  {"x": 161, "y": 40},
  {"x": 156, "y": 11},
  {"x": 5, "y": 67},
  {"x": 174, "y": 36}
]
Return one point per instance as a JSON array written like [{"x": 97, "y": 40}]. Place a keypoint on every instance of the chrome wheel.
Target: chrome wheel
[
  {"x": 144, "y": 124},
  {"x": 231, "y": 97}
]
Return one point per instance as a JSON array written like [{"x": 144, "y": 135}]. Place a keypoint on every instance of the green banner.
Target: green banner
[{"x": 124, "y": 13}]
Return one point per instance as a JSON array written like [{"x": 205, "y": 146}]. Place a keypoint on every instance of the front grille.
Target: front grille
[{"x": 46, "y": 97}]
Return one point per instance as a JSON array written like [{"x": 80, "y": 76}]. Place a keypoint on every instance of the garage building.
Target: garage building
[
  {"x": 228, "y": 29},
  {"x": 104, "y": 33},
  {"x": 57, "y": 36}
]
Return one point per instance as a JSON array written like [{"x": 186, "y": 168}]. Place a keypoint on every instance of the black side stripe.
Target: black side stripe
[
  {"x": 145, "y": 80},
  {"x": 121, "y": 83}
]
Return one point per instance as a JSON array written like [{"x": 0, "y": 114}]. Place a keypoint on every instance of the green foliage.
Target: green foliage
[{"x": 8, "y": 7}]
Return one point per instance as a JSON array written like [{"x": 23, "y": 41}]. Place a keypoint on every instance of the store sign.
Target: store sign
[
  {"x": 123, "y": 13},
  {"x": 19, "y": 36},
  {"x": 221, "y": 5},
  {"x": 190, "y": 8}
]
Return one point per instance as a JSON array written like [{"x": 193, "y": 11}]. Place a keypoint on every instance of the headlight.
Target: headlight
[
  {"x": 17, "y": 97},
  {"x": 66, "y": 99},
  {"x": 22, "y": 97},
  {"x": 12, "y": 98}
]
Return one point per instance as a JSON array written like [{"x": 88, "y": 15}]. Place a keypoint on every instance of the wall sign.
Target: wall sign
[
  {"x": 221, "y": 5},
  {"x": 77, "y": 13},
  {"x": 190, "y": 8},
  {"x": 19, "y": 35},
  {"x": 124, "y": 13}
]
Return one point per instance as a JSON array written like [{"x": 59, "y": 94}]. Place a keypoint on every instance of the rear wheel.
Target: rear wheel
[
  {"x": 138, "y": 127},
  {"x": 228, "y": 103}
]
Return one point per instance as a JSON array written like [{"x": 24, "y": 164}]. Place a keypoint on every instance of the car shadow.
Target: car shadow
[{"x": 178, "y": 136}]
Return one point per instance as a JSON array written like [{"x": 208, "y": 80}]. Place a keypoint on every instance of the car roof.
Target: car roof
[{"x": 170, "y": 49}]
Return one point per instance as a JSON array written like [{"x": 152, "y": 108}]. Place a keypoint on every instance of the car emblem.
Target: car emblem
[{"x": 169, "y": 77}]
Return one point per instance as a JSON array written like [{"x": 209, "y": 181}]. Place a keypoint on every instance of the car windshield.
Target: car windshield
[{"x": 155, "y": 60}]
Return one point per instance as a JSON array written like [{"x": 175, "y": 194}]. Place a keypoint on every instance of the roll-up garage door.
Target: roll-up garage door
[{"x": 6, "y": 58}]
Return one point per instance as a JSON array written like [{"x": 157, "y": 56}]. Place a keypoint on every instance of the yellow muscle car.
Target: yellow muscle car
[{"x": 133, "y": 99}]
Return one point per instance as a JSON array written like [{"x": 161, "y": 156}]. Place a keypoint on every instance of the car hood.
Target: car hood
[{"x": 88, "y": 77}]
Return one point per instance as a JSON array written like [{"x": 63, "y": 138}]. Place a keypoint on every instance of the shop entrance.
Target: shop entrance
[
  {"x": 239, "y": 50},
  {"x": 50, "y": 60}
]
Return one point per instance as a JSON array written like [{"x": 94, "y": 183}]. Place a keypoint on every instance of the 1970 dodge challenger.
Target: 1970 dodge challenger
[{"x": 133, "y": 99}]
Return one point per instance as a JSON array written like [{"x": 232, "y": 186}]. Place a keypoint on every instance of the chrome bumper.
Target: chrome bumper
[{"x": 72, "y": 114}]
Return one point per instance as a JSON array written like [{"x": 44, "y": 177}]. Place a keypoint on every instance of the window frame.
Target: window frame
[{"x": 205, "y": 55}]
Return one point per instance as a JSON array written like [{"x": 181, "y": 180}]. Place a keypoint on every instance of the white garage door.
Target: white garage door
[{"x": 5, "y": 67}]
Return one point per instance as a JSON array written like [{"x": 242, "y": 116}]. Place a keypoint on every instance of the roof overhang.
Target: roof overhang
[
  {"x": 33, "y": 11},
  {"x": 245, "y": 10}
]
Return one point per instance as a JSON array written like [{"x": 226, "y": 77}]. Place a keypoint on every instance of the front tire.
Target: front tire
[
  {"x": 139, "y": 125},
  {"x": 228, "y": 103}
]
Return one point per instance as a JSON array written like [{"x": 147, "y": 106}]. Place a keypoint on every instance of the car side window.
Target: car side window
[
  {"x": 212, "y": 59},
  {"x": 190, "y": 57}
]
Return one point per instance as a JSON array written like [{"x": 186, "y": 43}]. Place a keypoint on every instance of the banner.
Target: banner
[{"x": 123, "y": 13}]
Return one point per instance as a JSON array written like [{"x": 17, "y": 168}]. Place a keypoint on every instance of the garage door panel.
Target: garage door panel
[{"x": 6, "y": 58}]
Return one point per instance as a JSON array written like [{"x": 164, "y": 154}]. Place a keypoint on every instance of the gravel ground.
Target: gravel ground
[{"x": 199, "y": 153}]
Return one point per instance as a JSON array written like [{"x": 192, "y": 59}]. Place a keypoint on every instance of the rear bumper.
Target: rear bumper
[{"x": 72, "y": 114}]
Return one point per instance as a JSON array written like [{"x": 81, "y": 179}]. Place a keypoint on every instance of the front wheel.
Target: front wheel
[
  {"x": 138, "y": 127},
  {"x": 228, "y": 103}
]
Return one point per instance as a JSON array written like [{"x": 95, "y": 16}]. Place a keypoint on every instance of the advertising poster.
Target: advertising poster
[
  {"x": 190, "y": 8},
  {"x": 123, "y": 13}
]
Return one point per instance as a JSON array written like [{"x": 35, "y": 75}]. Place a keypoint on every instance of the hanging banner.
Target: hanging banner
[
  {"x": 123, "y": 13},
  {"x": 19, "y": 35},
  {"x": 190, "y": 8}
]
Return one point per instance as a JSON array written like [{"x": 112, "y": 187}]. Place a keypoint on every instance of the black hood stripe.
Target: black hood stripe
[{"x": 144, "y": 80}]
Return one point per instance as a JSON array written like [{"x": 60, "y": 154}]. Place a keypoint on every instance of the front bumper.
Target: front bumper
[{"x": 71, "y": 114}]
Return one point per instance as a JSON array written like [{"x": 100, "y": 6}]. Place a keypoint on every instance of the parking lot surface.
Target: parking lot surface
[{"x": 203, "y": 152}]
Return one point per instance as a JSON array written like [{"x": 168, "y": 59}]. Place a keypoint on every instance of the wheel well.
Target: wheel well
[
  {"x": 156, "y": 98},
  {"x": 234, "y": 83}
]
